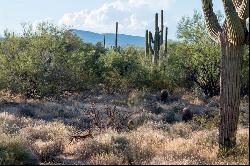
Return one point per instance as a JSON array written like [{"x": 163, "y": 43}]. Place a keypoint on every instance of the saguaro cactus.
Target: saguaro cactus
[
  {"x": 116, "y": 35},
  {"x": 166, "y": 41},
  {"x": 162, "y": 27},
  {"x": 104, "y": 41},
  {"x": 156, "y": 41},
  {"x": 232, "y": 37},
  {"x": 150, "y": 40},
  {"x": 146, "y": 43}
]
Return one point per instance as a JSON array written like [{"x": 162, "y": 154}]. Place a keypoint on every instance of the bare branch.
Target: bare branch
[
  {"x": 236, "y": 34},
  {"x": 212, "y": 22}
]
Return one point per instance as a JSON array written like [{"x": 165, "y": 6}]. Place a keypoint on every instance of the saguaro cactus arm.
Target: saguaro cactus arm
[
  {"x": 243, "y": 10},
  {"x": 237, "y": 3},
  {"x": 211, "y": 20},
  {"x": 236, "y": 34},
  {"x": 151, "y": 40}
]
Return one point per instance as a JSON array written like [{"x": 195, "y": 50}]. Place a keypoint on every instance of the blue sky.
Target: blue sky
[{"x": 134, "y": 16}]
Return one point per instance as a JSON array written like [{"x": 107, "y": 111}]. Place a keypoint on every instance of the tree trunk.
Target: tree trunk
[{"x": 230, "y": 93}]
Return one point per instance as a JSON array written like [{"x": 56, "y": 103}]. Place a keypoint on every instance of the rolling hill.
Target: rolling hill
[{"x": 123, "y": 40}]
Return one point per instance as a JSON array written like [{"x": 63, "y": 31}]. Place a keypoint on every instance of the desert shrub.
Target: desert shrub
[
  {"x": 172, "y": 115},
  {"x": 181, "y": 130},
  {"x": 245, "y": 73},
  {"x": 106, "y": 159},
  {"x": 92, "y": 148},
  {"x": 44, "y": 61},
  {"x": 158, "y": 110},
  {"x": 46, "y": 140},
  {"x": 135, "y": 98},
  {"x": 200, "y": 57},
  {"x": 118, "y": 69},
  {"x": 13, "y": 152},
  {"x": 131, "y": 153},
  {"x": 45, "y": 132},
  {"x": 10, "y": 124},
  {"x": 26, "y": 112},
  {"x": 206, "y": 121},
  {"x": 169, "y": 117},
  {"x": 47, "y": 151},
  {"x": 238, "y": 155},
  {"x": 140, "y": 119},
  {"x": 49, "y": 60}
]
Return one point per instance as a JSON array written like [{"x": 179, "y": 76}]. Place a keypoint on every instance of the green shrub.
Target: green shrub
[
  {"x": 44, "y": 62},
  {"x": 13, "y": 152}
]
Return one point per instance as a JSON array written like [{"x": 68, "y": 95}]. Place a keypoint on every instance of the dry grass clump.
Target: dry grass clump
[
  {"x": 46, "y": 140},
  {"x": 48, "y": 151},
  {"x": 45, "y": 132},
  {"x": 13, "y": 152},
  {"x": 148, "y": 138},
  {"x": 120, "y": 146},
  {"x": 179, "y": 145},
  {"x": 244, "y": 113},
  {"x": 180, "y": 130},
  {"x": 11, "y": 124},
  {"x": 240, "y": 154},
  {"x": 106, "y": 159}
]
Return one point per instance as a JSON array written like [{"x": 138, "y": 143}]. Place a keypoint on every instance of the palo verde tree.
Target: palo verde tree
[{"x": 233, "y": 36}]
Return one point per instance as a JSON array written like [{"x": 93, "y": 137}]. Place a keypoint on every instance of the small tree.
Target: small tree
[{"x": 232, "y": 36}]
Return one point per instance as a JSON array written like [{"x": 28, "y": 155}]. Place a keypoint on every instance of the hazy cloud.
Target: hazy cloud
[{"x": 132, "y": 15}]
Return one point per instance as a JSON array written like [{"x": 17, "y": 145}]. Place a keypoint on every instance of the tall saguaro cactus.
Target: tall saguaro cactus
[
  {"x": 162, "y": 27},
  {"x": 116, "y": 35},
  {"x": 156, "y": 41},
  {"x": 146, "y": 43},
  {"x": 233, "y": 36},
  {"x": 166, "y": 41},
  {"x": 104, "y": 41}
]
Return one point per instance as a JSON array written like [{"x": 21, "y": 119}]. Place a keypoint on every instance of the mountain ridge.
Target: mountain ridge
[{"x": 123, "y": 39}]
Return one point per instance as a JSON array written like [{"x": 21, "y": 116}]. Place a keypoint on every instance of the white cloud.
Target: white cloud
[
  {"x": 134, "y": 16},
  {"x": 153, "y": 4}
]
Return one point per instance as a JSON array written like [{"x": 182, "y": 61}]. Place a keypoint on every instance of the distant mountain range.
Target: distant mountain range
[{"x": 123, "y": 40}]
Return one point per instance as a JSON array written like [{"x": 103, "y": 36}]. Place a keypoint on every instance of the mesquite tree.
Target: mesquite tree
[{"x": 233, "y": 36}]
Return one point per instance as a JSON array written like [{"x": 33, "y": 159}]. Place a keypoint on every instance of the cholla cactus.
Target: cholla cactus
[{"x": 232, "y": 36}]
